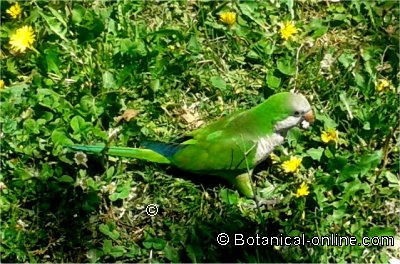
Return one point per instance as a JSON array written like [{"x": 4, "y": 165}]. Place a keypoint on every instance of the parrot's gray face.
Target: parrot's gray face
[{"x": 300, "y": 112}]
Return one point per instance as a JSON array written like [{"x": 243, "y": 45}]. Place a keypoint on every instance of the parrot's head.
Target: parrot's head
[{"x": 294, "y": 110}]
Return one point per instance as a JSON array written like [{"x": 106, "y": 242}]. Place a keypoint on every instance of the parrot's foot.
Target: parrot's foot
[{"x": 243, "y": 183}]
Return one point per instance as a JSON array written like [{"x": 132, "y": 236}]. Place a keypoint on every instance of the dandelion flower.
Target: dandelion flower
[
  {"x": 302, "y": 191},
  {"x": 291, "y": 165},
  {"x": 1, "y": 84},
  {"x": 381, "y": 85},
  {"x": 288, "y": 30},
  {"x": 23, "y": 38},
  {"x": 228, "y": 18},
  {"x": 329, "y": 135},
  {"x": 14, "y": 11}
]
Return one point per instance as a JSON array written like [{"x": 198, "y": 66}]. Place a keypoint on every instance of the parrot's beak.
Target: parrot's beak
[{"x": 309, "y": 117}]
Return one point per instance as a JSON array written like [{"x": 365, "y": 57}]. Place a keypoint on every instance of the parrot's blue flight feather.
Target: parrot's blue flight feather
[{"x": 166, "y": 149}]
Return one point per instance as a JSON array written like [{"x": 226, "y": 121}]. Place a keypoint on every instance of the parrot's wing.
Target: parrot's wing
[
  {"x": 227, "y": 157},
  {"x": 223, "y": 124},
  {"x": 216, "y": 154}
]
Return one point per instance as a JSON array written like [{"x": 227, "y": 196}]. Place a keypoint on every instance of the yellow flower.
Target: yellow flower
[
  {"x": 302, "y": 191},
  {"x": 22, "y": 39},
  {"x": 14, "y": 11},
  {"x": 228, "y": 18},
  {"x": 381, "y": 85},
  {"x": 288, "y": 30},
  {"x": 1, "y": 84},
  {"x": 329, "y": 135},
  {"x": 291, "y": 165}
]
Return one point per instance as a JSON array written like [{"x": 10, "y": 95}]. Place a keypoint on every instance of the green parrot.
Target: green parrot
[{"x": 230, "y": 147}]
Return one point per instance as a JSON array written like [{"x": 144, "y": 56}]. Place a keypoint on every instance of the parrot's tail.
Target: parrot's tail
[{"x": 138, "y": 153}]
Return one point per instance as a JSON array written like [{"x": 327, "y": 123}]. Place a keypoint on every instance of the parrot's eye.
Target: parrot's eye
[{"x": 297, "y": 113}]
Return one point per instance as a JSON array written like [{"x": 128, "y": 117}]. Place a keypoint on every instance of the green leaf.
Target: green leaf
[
  {"x": 109, "y": 230},
  {"x": 31, "y": 126},
  {"x": 366, "y": 163},
  {"x": 194, "y": 252},
  {"x": 122, "y": 192},
  {"x": 155, "y": 243},
  {"x": 139, "y": 48},
  {"x": 290, "y": 4},
  {"x": 218, "y": 82},
  {"x": 155, "y": 85},
  {"x": 78, "y": 124},
  {"x": 328, "y": 122},
  {"x": 94, "y": 255},
  {"x": 328, "y": 153},
  {"x": 273, "y": 82},
  {"x": 193, "y": 44},
  {"x": 55, "y": 26},
  {"x": 393, "y": 180},
  {"x": 337, "y": 163},
  {"x": 350, "y": 189},
  {"x": 52, "y": 60},
  {"x": 373, "y": 159},
  {"x": 229, "y": 196},
  {"x": 171, "y": 254},
  {"x": 125, "y": 45},
  {"x": 58, "y": 16},
  {"x": 108, "y": 80},
  {"x": 367, "y": 125},
  {"x": 110, "y": 171},
  {"x": 315, "y": 154},
  {"x": 338, "y": 214},
  {"x": 11, "y": 67},
  {"x": 48, "y": 98},
  {"x": 107, "y": 246},
  {"x": 381, "y": 231},
  {"x": 134, "y": 250},
  {"x": 116, "y": 251},
  {"x": 293, "y": 136},
  {"x": 77, "y": 13},
  {"x": 87, "y": 104},
  {"x": 286, "y": 66},
  {"x": 347, "y": 59},
  {"x": 253, "y": 55},
  {"x": 320, "y": 32},
  {"x": 66, "y": 178},
  {"x": 59, "y": 137},
  {"x": 248, "y": 9}
]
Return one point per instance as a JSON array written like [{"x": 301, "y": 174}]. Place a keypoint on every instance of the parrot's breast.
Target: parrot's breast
[{"x": 265, "y": 145}]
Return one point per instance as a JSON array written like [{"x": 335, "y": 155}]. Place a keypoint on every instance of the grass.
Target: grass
[{"x": 158, "y": 69}]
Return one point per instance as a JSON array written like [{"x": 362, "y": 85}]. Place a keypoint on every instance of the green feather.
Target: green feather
[{"x": 137, "y": 153}]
